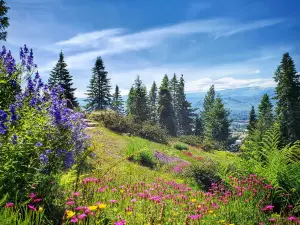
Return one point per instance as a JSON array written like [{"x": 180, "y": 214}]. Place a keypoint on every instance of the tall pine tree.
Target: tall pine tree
[
  {"x": 198, "y": 126},
  {"x": 98, "y": 92},
  {"x": 288, "y": 99},
  {"x": 173, "y": 88},
  {"x": 117, "y": 101},
  {"x": 137, "y": 102},
  {"x": 165, "y": 108},
  {"x": 252, "y": 120},
  {"x": 153, "y": 103},
  {"x": 4, "y": 20},
  {"x": 61, "y": 76},
  {"x": 208, "y": 104},
  {"x": 265, "y": 113}
]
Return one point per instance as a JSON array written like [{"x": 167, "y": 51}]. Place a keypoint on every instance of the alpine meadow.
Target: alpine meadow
[{"x": 149, "y": 112}]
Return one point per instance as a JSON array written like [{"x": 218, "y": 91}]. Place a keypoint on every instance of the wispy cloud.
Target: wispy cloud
[{"x": 116, "y": 41}]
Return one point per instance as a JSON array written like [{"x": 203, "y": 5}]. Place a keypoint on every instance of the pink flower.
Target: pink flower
[
  {"x": 76, "y": 194},
  {"x": 70, "y": 203},
  {"x": 74, "y": 220},
  {"x": 9, "y": 205},
  {"x": 31, "y": 195},
  {"x": 114, "y": 190},
  {"x": 100, "y": 190},
  {"x": 78, "y": 208},
  {"x": 121, "y": 222},
  {"x": 31, "y": 207},
  {"x": 290, "y": 206},
  {"x": 37, "y": 200},
  {"x": 268, "y": 208},
  {"x": 81, "y": 216},
  {"x": 195, "y": 217},
  {"x": 292, "y": 218},
  {"x": 133, "y": 200},
  {"x": 272, "y": 220},
  {"x": 113, "y": 201}
]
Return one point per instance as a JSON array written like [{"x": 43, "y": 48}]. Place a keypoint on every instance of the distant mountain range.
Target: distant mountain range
[{"x": 237, "y": 100}]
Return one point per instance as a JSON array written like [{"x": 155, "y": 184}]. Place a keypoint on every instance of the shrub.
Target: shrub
[
  {"x": 191, "y": 140},
  {"x": 153, "y": 133},
  {"x": 204, "y": 174},
  {"x": 181, "y": 146}
]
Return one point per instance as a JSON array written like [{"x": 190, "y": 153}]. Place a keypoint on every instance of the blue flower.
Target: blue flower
[
  {"x": 38, "y": 144},
  {"x": 14, "y": 139},
  {"x": 44, "y": 159}
]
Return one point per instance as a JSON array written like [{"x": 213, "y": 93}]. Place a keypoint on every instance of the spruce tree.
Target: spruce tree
[
  {"x": 184, "y": 111},
  {"x": 265, "y": 114},
  {"x": 219, "y": 122},
  {"x": 4, "y": 20},
  {"x": 153, "y": 103},
  {"x": 198, "y": 126},
  {"x": 130, "y": 100},
  {"x": 117, "y": 101},
  {"x": 288, "y": 99},
  {"x": 165, "y": 108},
  {"x": 252, "y": 120},
  {"x": 98, "y": 92},
  {"x": 137, "y": 102},
  {"x": 61, "y": 76},
  {"x": 173, "y": 88},
  {"x": 208, "y": 104}
]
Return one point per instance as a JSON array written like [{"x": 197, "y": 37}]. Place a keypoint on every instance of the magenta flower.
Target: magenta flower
[
  {"x": 195, "y": 217},
  {"x": 9, "y": 205},
  {"x": 37, "y": 200},
  {"x": 31, "y": 207},
  {"x": 81, "y": 216},
  {"x": 272, "y": 219},
  {"x": 268, "y": 208},
  {"x": 133, "y": 200},
  {"x": 292, "y": 218},
  {"x": 70, "y": 203},
  {"x": 76, "y": 194},
  {"x": 31, "y": 195},
  {"x": 74, "y": 220},
  {"x": 121, "y": 222},
  {"x": 113, "y": 201}
]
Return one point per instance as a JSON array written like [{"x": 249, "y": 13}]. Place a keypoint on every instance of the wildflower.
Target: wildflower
[
  {"x": 70, "y": 213},
  {"x": 31, "y": 207},
  {"x": 193, "y": 200},
  {"x": 121, "y": 222},
  {"x": 81, "y": 216},
  {"x": 32, "y": 195},
  {"x": 272, "y": 219},
  {"x": 76, "y": 194},
  {"x": 102, "y": 206},
  {"x": 70, "y": 203},
  {"x": 38, "y": 144},
  {"x": 37, "y": 200},
  {"x": 292, "y": 218},
  {"x": 74, "y": 220},
  {"x": 195, "y": 217},
  {"x": 9, "y": 205},
  {"x": 210, "y": 211},
  {"x": 133, "y": 200},
  {"x": 113, "y": 201},
  {"x": 92, "y": 208},
  {"x": 41, "y": 209},
  {"x": 268, "y": 208}
]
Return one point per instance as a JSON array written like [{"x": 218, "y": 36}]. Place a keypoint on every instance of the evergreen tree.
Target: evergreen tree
[
  {"x": 4, "y": 20},
  {"x": 288, "y": 99},
  {"x": 208, "y": 104},
  {"x": 184, "y": 111},
  {"x": 165, "y": 108},
  {"x": 252, "y": 120},
  {"x": 173, "y": 88},
  {"x": 130, "y": 100},
  {"x": 98, "y": 92},
  {"x": 218, "y": 125},
  {"x": 198, "y": 126},
  {"x": 265, "y": 114},
  {"x": 117, "y": 101},
  {"x": 61, "y": 76},
  {"x": 153, "y": 103},
  {"x": 137, "y": 102}
]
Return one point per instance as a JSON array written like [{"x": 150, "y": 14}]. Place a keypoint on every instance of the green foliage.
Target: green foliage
[
  {"x": 288, "y": 99},
  {"x": 204, "y": 174},
  {"x": 4, "y": 20},
  {"x": 265, "y": 114},
  {"x": 137, "y": 103},
  {"x": 181, "y": 146},
  {"x": 117, "y": 102},
  {"x": 252, "y": 120},
  {"x": 153, "y": 133},
  {"x": 61, "y": 76},
  {"x": 190, "y": 140},
  {"x": 165, "y": 109},
  {"x": 98, "y": 92}
]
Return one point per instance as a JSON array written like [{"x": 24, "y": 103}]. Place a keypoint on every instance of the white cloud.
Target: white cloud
[{"x": 115, "y": 41}]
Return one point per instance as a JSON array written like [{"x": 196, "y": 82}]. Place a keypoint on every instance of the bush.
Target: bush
[
  {"x": 181, "y": 146},
  {"x": 191, "y": 140},
  {"x": 154, "y": 133},
  {"x": 116, "y": 122},
  {"x": 204, "y": 174}
]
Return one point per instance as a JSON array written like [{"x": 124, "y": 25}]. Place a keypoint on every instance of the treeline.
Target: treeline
[{"x": 286, "y": 112}]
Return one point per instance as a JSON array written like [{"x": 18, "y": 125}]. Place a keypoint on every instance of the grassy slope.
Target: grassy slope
[{"x": 111, "y": 149}]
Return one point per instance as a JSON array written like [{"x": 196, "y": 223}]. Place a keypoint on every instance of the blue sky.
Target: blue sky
[{"x": 232, "y": 43}]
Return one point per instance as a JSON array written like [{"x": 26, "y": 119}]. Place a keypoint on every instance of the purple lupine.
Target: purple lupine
[
  {"x": 13, "y": 116},
  {"x": 164, "y": 158},
  {"x": 3, "y": 119}
]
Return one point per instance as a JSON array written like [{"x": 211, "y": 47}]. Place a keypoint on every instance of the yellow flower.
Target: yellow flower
[
  {"x": 102, "y": 206},
  {"x": 210, "y": 211},
  {"x": 122, "y": 191},
  {"x": 193, "y": 200},
  {"x": 231, "y": 224},
  {"x": 129, "y": 212},
  {"x": 93, "y": 207},
  {"x": 221, "y": 221},
  {"x": 41, "y": 209},
  {"x": 70, "y": 213}
]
